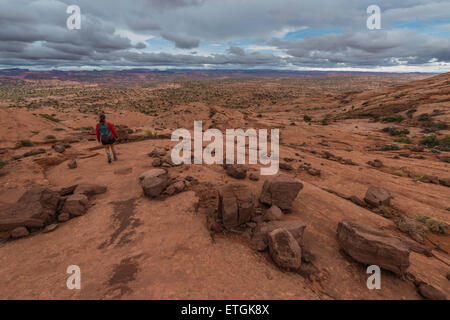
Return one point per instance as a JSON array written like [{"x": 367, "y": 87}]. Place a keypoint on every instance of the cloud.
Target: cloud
[{"x": 114, "y": 33}]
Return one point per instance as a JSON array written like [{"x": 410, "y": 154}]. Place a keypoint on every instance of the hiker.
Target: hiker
[{"x": 107, "y": 135}]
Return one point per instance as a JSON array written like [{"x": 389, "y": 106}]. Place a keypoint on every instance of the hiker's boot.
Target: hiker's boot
[
  {"x": 109, "y": 158},
  {"x": 115, "y": 157}
]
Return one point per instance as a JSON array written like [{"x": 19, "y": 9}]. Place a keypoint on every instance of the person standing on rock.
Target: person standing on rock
[{"x": 107, "y": 135}]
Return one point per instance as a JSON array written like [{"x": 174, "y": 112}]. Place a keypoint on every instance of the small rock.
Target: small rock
[
  {"x": 156, "y": 162},
  {"x": 444, "y": 181},
  {"x": 376, "y": 163},
  {"x": 284, "y": 249},
  {"x": 236, "y": 204},
  {"x": 313, "y": 172},
  {"x": 273, "y": 213},
  {"x": 286, "y": 166},
  {"x": 19, "y": 232},
  {"x": 376, "y": 197},
  {"x": 253, "y": 176},
  {"x": 76, "y": 205},
  {"x": 158, "y": 152},
  {"x": 50, "y": 228},
  {"x": 90, "y": 190},
  {"x": 430, "y": 292},
  {"x": 63, "y": 217},
  {"x": 237, "y": 171},
  {"x": 357, "y": 201},
  {"x": 59, "y": 148},
  {"x": 154, "y": 182},
  {"x": 280, "y": 191},
  {"x": 72, "y": 164}
]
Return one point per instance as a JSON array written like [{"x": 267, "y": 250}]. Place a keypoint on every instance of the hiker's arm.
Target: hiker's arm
[
  {"x": 111, "y": 127},
  {"x": 97, "y": 133}
]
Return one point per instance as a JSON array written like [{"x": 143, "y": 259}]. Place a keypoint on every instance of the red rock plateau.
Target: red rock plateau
[{"x": 364, "y": 180}]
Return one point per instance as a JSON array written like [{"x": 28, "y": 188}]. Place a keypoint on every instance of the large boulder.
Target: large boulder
[
  {"x": 372, "y": 247},
  {"x": 76, "y": 205},
  {"x": 260, "y": 234},
  {"x": 154, "y": 182},
  {"x": 284, "y": 249},
  {"x": 376, "y": 197},
  {"x": 89, "y": 189},
  {"x": 280, "y": 191},
  {"x": 19, "y": 232},
  {"x": 430, "y": 292},
  {"x": 34, "y": 209},
  {"x": 236, "y": 204}
]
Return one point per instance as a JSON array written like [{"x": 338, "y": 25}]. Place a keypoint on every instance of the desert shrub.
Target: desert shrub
[
  {"x": 83, "y": 129},
  {"x": 150, "y": 133},
  {"x": 26, "y": 143},
  {"x": 384, "y": 209},
  {"x": 389, "y": 147},
  {"x": 324, "y": 122},
  {"x": 403, "y": 140},
  {"x": 437, "y": 126},
  {"x": 399, "y": 173},
  {"x": 393, "y": 131},
  {"x": 49, "y": 117},
  {"x": 2, "y": 163},
  {"x": 430, "y": 141},
  {"x": 393, "y": 118},
  {"x": 50, "y": 137},
  {"x": 432, "y": 225},
  {"x": 58, "y": 129},
  {"x": 410, "y": 112},
  {"x": 424, "y": 117},
  {"x": 307, "y": 118}
]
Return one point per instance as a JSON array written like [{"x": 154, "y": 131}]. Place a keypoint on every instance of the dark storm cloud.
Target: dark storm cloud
[{"x": 34, "y": 33}]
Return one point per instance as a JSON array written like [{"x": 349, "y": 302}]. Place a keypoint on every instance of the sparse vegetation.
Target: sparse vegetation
[
  {"x": 26, "y": 143},
  {"x": 403, "y": 140},
  {"x": 393, "y": 118},
  {"x": 2, "y": 163},
  {"x": 423, "y": 117},
  {"x": 150, "y": 133},
  {"x": 432, "y": 224},
  {"x": 49, "y": 117},
  {"x": 393, "y": 131},
  {"x": 307, "y": 118},
  {"x": 50, "y": 137},
  {"x": 430, "y": 141}
]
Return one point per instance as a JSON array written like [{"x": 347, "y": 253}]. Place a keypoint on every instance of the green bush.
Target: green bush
[
  {"x": 50, "y": 137},
  {"x": 444, "y": 143},
  {"x": 307, "y": 118},
  {"x": 410, "y": 112},
  {"x": 393, "y": 131},
  {"x": 2, "y": 163},
  {"x": 430, "y": 141},
  {"x": 389, "y": 147},
  {"x": 49, "y": 117},
  {"x": 433, "y": 225},
  {"x": 424, "y": 117},
  {"x": 402, "y": 140},
  {"x": 393, "y": 118},
  {"x": 26, "y": 143}
]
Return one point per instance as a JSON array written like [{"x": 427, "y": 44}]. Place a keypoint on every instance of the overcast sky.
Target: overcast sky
[{"x": 234, "y": 34}]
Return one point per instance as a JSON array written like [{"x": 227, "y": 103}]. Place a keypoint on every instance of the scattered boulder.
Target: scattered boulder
[
  {"x": 430, "y": 179},
  {"x": 286, "y": 166},
  {"x": 59, "y": 148},
  {"x": 262, "y": 230},
  {"x": 63, "y": 217},
  {"x": 156, "y": 162},
  {"x": 281, "y": 191},
  {"x": 430, "y": 292},
  {"x": 284, "y": 249},
  {"x": 72, "y": 164},
  {"x": 237, "y": 171},
  {"x": 273, "y": 213},
  {"x": 375, "y": 163},
  {"x": 19, "y": 232},
  {"x": 236, "y": 204},
  {"x": 154, "y": 182},
  {"x": 411, "y": 227},
  {"x": 370, "y": 246},
  {"x": 176, "y": 187},
  {"x": 50, "y": 228},
  {"x": 314, "y": 172},
  {"x": 90, "y": 190},
  {"x": 35, "y": 208},
  {"x": 376, "y": 197},
  {"x": 65, "y": 191},
  {"x": 253, "y": 176},
  {"x": 158, "y": 152},
  {"x": 76, "y": 205}
]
